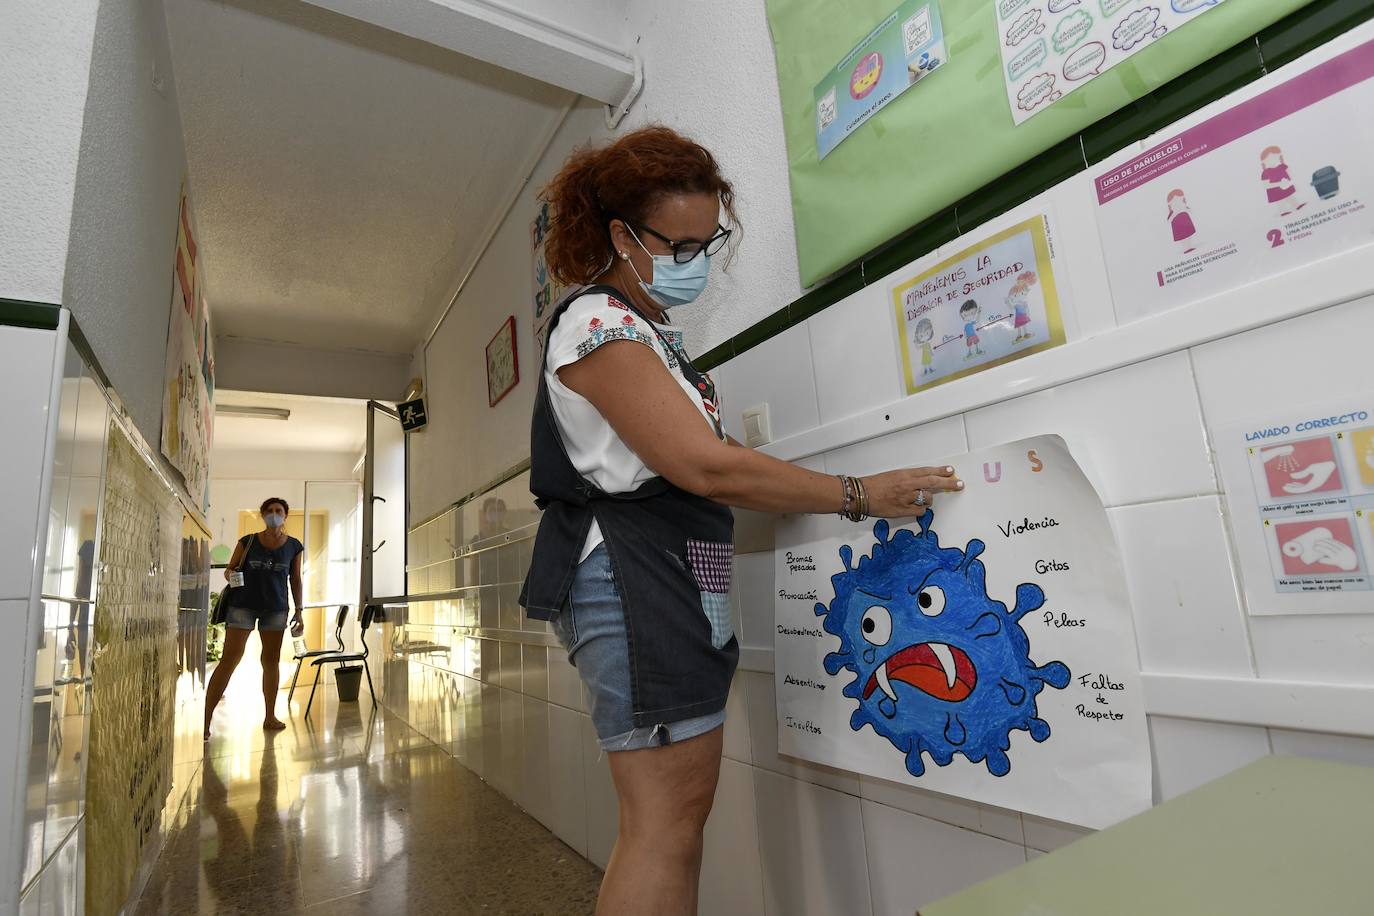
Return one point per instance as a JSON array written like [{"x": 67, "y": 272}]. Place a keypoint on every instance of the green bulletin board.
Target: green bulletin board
[{"x": 952, "y": 134}]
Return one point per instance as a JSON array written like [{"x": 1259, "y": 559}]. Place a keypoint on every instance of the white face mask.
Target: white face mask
[{"x": 274, "y": 519}]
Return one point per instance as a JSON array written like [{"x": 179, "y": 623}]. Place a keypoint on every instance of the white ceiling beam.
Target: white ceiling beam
[{"x": 552, "y": 51}]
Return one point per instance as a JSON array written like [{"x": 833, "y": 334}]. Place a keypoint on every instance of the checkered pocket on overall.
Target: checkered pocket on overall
[{"x": 711, "y": 564}]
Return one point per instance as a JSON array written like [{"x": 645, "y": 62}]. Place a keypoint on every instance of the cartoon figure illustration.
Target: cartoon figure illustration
[
  {"x": 1278, "y": 184},
  {"x": 1020, "y": 307},
  {"x": 866, "y": 75},
  {"x": 925, "y": 332},
  {"x": 1181, "y": 221},
  {"x": 968, "y": 314},
  {"x": 941, "y": 667}
]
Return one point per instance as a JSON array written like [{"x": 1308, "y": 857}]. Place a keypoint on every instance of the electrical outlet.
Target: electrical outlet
[{"x": 756, "y": 431}]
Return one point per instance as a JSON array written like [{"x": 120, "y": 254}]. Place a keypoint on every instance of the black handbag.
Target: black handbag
[{"x": 221, "y": 610}]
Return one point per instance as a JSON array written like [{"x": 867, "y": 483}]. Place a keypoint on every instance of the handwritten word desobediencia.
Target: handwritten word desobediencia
[
  {"x": 954, "y": 285},
  {"x": 1025, "y": 525},
  {"x": 800, "y": 563},
  {"x": 784, "y": 630}
]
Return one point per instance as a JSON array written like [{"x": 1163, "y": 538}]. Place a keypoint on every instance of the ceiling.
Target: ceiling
[
  {"x": 315, "y": 425},
  {"x": 343, "y": 177}
]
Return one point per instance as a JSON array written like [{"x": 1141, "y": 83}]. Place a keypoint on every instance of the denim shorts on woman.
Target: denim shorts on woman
[
  {"x": 243, "y": 618},
  {"x": 591, "y": 626}
]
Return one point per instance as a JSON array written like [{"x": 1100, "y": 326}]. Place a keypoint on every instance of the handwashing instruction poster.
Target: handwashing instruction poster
[
  {"x": 1052, "y": 47},
  {"x": 985, "y": 650},
  {"x": 1300, "y": 488},
  {"x": 904, "y": 48},
  {"x": 1278, "y": 180},
  {"x": 991, "y": 303}
]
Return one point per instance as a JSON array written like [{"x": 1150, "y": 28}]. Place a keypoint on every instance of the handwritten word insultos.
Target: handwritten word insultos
[
  {"x": 799, "y": 563},
  {"x": 1025, "y": 526},
  {"x": 806, "y": 726}
]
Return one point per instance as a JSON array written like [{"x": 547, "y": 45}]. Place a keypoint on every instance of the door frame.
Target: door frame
[{"x": 369, "y": 498}]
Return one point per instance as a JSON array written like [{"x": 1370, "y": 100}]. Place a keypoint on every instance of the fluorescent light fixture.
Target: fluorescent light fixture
[{"x": 260, "y": 413}]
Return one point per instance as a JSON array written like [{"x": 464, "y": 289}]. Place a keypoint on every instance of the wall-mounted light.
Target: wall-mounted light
[{"x": 260, "y": 413}]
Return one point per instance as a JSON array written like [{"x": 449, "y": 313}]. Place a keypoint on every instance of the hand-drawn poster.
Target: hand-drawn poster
[
  {"x": 985, "y": 650},
  {"x": 134, "y": 672},
  {"x": 188, "y": 394},
  {"x": 904, "y": 48},
  {"x": 1052, "y": 47},
  {"x": 547, "y": 290},
  {"x": 1300, "y": 489},
  {"x": 989, "y": 304},
  {"x": 1276, "y": 180}
]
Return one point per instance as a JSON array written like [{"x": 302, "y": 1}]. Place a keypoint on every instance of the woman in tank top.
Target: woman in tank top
[{"x": 269, "y": 561}]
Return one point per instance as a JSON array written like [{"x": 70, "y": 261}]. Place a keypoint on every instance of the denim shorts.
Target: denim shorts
[
  {"x": 591, "y": 626},
  {"x": 243, "y": 618}
]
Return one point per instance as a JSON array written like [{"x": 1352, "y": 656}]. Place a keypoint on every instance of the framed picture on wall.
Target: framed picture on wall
[{"x": 503, "y": 369}]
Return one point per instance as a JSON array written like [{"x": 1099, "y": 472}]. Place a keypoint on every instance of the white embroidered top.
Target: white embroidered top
[{"x": 593, "y": 446}]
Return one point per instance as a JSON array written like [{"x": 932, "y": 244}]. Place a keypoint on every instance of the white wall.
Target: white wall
[
  {"x": 710, "y": 73},
  {"x": 711, "y": 76},
  {"x": 252, "y": 365},
  {"x": 45, "y": 55},
  {"x": 118, "y": 280}
]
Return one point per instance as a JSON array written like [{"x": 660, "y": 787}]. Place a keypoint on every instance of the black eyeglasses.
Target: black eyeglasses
[{"x": 684, "y": 252}]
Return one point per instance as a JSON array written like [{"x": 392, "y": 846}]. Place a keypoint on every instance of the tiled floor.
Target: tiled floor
[{"x": 353, "y": 812}]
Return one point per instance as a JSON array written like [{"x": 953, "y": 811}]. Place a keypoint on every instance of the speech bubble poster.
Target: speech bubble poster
[
  {"x": 985, "y": 650},
  {"x": 1052, "y": 47}
]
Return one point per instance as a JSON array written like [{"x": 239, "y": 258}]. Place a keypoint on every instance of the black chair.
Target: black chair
[
  {"x": 342, "y": 658},
  {"x": 316, "y": 653}
]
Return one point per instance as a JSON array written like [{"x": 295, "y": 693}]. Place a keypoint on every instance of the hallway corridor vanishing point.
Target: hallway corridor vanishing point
[{"x": 351, "y": 812}]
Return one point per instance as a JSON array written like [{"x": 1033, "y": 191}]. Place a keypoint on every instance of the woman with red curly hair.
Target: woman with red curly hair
[{"x": 629, "y": 461}]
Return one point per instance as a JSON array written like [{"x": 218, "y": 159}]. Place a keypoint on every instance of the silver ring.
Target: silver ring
[{"x": 920, "y": 498}]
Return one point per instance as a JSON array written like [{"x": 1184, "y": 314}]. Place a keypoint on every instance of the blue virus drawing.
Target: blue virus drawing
[{"x": 943, "y": 669}]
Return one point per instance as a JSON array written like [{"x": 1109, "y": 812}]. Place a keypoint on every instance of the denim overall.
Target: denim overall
[{"x": 670, "y": 552}]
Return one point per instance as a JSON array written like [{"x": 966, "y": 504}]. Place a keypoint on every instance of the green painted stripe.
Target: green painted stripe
[
  {"x": 1237, "y": 66},
  {"x": 20, "y": 314}
]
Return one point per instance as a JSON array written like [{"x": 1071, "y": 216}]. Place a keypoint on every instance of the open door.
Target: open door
[{"x": 384, "y": 508}]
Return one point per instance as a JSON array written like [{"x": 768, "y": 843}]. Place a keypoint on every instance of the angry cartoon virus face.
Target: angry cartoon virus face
[
  {"x": 866, "y": 75},
  {"x": 942, "y": 667}
]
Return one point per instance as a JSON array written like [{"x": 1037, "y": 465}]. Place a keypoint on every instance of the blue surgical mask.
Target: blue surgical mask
[
  {"x": 274, "y": 519},
  {"x": 674, "y": 283}
]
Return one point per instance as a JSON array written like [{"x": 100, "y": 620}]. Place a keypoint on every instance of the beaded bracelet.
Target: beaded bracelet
[{"x": 855, "y": 499}]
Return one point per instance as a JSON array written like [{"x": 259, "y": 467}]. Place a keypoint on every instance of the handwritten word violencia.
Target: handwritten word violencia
[{"x": 1025, "y": 525}]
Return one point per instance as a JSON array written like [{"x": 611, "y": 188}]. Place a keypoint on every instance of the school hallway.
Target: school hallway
[{"x": 350, "y": 811}]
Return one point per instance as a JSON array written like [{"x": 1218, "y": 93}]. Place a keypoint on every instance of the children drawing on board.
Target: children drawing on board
[
  {"x": 1181, "y": 221},
  {"x": 925, "y": 332},
  {"x": 968, "y": 314},
  {"x": 1278, "y": 184},
  {"x": 1020, "y": 307}
]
